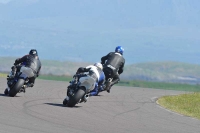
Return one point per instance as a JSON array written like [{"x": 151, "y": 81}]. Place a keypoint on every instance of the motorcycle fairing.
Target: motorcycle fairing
[
  {"x": 88, "y": 82},
  {"x": 26, "y": 72}
]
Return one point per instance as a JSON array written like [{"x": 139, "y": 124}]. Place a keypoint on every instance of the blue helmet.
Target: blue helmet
[{"x": 119, "y": 49}]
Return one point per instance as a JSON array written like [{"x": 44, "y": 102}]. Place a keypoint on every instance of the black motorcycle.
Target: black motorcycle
[{"x": 18, "y": 82}]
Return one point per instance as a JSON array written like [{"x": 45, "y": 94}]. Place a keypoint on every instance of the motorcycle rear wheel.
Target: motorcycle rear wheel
[
  {"x": 76, "y": 98},
  {"x": 64, "y": 102},
  {"x": 6, "y": 91},
  {"x": 13, "y": 91}
]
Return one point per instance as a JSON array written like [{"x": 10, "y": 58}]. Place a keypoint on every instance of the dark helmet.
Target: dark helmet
[
  {"x": 33, "y": 52},
  {"x": 119, "y": 49}
]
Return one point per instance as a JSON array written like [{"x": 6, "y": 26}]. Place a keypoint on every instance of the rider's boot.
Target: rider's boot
[
  {"x": 111, "y": 84},
  {"x": 30, "y": 85},
  {"x": 109, "y": 88},
  {"x": 26, "y": 86},
  {"x": 23, "y": 89},
  {"x": 108, "y": 84}
]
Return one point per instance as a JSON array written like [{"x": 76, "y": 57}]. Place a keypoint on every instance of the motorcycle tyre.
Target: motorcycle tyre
[
  {"x": 65, "y": 102},
  {"x": 76, "y": 98},
  {"x": 6, "y": 92},
  {"x": 13, "y": 91}
]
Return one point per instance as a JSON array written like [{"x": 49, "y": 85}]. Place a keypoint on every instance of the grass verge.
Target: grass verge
[
  {"x": 186, "y": 104},
  {"x": 46, "y": 77},
  {"x": 162, "y": 85},
  {"x": 54, "y": 77},
  {"x": 3, "y": 75}
]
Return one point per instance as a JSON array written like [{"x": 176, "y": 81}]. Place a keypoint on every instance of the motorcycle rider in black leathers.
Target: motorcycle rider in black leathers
[
  {"x": 31, "y": 61},
  {"x": 113, "y": 66}
]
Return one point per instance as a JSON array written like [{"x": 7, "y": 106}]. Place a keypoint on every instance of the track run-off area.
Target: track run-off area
[{"x": 124, "y": 110}]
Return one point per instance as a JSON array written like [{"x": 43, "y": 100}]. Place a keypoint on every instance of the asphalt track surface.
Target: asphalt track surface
[{"x": 124, "y": 110}]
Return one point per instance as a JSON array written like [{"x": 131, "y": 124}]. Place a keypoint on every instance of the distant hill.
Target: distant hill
[
  {"x": 151, "y": 71},
  {"x": 163, "y": 71}
]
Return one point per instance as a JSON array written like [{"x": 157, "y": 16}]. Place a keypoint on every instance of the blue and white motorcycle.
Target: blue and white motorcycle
[{"x": 78, "y": 90}]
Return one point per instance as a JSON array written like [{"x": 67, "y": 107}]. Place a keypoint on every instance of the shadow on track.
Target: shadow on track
[
  {"x": 1, "y": 94},
  {"x": 98, "y": 95},
  {"x": 61, "y": 105}
]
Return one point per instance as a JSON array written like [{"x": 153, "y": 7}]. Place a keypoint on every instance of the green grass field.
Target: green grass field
[
  {"x": 186, "y": 104},
  {"x": 3, "y": 75},
  {"x": 161, "y": 85},
  {"x": 53, "y": 77}
]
